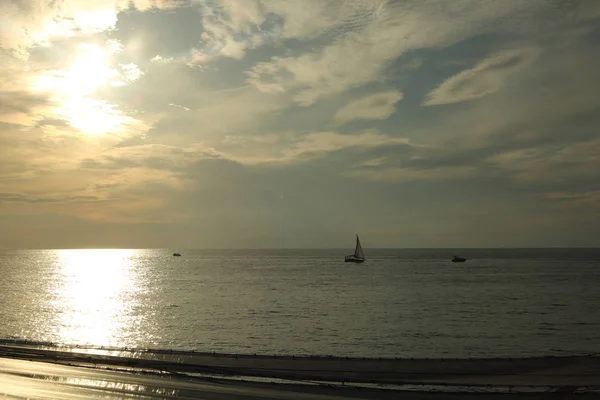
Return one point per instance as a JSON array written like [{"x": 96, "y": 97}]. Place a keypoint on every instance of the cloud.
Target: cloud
[
  {"x": 21, "y": 107},
  {"x": 324, "y": 142},
  {"x": 214, "y": 114},
  {"x": 234, "y": 26},
  {"x": 31, "y": 22},
  {"x": 159, "y": 59},
  {"x": 394, "y": 174},
  {"x": 65, "y": 84},
  {"x": 538, "y": 135},
  {"x": 74, "y": 177},
  {"x": 411, "y": 163},
  {"x": 361, "y": 53},
  {"x": 28, "y": 23},
  {"x": 130, "y": 72},
  {"x": 230, "y": 28},
  {"x": 151, "y": 156},
  {"x": 303, "y": 148},
  {"x": 487, "y": 77},
  {"x": 551, "y": 163},
  {"x": 264, "y": 77},
  {"x": 179, "y": 106},
  {"x": 579, "y": 200},
  {"x": 157, "y": 35},
  {"x": 375, "y": 106},
  {"x": 43, "y": 172}
]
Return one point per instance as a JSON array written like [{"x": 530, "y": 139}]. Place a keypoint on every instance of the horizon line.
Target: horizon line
[{"x": 299, "y": 248}]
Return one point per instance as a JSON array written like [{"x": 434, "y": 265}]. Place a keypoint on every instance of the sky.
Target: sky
[{"x": 284, "y": 123}]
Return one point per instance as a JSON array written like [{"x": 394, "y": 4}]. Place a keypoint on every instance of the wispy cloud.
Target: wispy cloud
[
  {"x": 395, "y": 174},
  {"x": 297, "y": 149},
  {"x": 178, "y": 106},
  {"x": 578, "y": 200},
  {"x": 325, "y": 142},
  {"x": 379, "y": 35},
  {"x": 487, "y": 77},
  {"x": 375, "y": 106},
  {"x": 552, "y": 163}
]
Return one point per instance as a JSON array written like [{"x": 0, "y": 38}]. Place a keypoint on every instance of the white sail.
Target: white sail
[{"x": 358, "y": 251}]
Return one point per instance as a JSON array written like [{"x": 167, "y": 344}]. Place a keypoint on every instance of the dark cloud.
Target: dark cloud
[
  {"x": 543, "y": 140},
  {"x": 20, "y": 101},
  {"x": 146, "y": 34},
  {"x": 149, "y": 156},
  {"x": 110, "y": 163},
  {"x": 58, "y": 122}
]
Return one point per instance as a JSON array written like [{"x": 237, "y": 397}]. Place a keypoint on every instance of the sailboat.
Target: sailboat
[{"x": 358, "y": 256}]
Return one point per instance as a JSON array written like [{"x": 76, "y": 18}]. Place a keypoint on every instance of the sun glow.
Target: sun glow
[
  {"x": 76, "y": 17},
  {"x": 89, "y": 71},
  {"x": 74, "y": 87},
  {"x": 92, "y": 116}
]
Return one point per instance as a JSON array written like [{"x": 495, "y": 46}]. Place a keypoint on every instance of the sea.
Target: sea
[{"x": 399, "y": 303}]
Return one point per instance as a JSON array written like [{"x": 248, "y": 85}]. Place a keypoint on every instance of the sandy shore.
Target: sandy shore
[{"x": 165, "y": 374}]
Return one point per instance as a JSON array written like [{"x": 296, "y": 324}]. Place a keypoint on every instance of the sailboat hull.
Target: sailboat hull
[{"x": 354, "y": 260}]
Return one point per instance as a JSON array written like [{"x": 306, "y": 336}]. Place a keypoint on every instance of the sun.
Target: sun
[
  {"x": 92, "y": 116},
  {"x": 89, "y": 71},
  {"x": 73, "y": 88}
]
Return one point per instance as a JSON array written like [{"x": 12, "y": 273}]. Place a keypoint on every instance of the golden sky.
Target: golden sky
[{"x": 247, "y": 123}]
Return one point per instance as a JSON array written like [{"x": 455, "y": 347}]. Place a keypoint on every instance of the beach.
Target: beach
[{"x": 39, "y": 370}]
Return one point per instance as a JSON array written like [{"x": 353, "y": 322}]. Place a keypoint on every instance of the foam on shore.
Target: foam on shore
[{"x": 541, "y": 372}]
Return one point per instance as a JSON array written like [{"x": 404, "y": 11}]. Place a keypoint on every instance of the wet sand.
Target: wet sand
[{"x": 172, "y": 374}]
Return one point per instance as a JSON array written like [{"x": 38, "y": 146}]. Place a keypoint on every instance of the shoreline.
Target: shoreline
[
  {"x": 493, "y": 377},
  {"x": 96, "y": 349},
  {"x": 44, "y": 380},
  {"x": 48, "y": 380}
]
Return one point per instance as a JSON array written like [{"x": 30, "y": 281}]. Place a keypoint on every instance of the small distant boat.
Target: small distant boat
[
  {"x": 358, "y": 256},
  {"x": 458, "y": 259},
  {"x": 176, "y": 255}
]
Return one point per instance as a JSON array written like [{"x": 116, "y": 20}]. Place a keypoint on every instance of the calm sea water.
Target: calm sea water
[{"x": 405, "y": 303}]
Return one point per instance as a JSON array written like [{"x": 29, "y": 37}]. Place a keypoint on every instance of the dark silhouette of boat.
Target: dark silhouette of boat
[
  {"x": 176, "y": 255},
  {"x": 358, "y": 256},
  {"x": 458, "y": 259}
]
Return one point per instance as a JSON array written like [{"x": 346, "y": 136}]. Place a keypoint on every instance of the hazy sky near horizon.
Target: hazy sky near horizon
[{"x": 246, "y": 123}]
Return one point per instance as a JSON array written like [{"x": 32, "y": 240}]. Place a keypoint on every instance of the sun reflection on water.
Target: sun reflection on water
[{"x": 96, "y": 296}]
